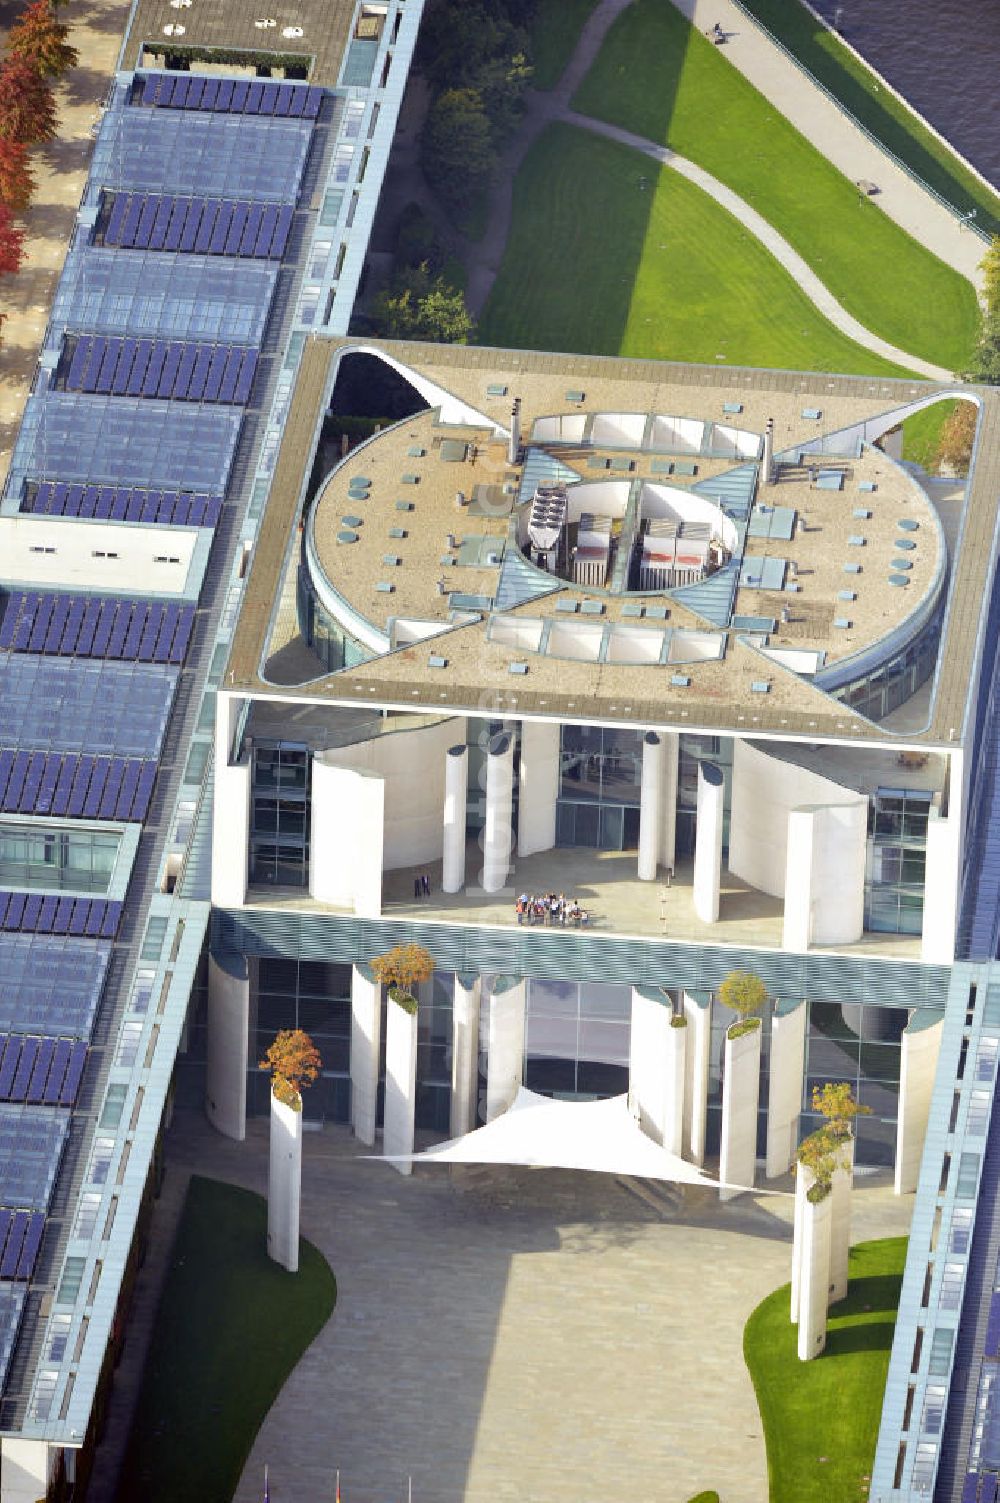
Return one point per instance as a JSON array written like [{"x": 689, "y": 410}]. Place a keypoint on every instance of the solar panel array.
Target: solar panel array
[
  {"x": 20, "y": 1239},
  {"x": 42, "y": 1071},
  {"x": 200, "y": 226},
  {"x": 72, "y": 704},
  {"x": 114, "y": 503},
  {"x": 71, "y": 785},
  {"x": 50, "y": 983},
  {"x": 230, "y": 96},
  {"x": 96, "y": 626},
  {"x": 171, "y": 369},
  {"x": 31, "y": 1145},
  {"x": 45, "y": 913}
]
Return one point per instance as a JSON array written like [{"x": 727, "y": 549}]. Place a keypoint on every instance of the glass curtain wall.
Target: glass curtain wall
[
  {"x": 693, "y": 751},
  {"x": 314, "y": 995},
  {"x": 56, "y": 860},
  {"x": 896, "y": 861},
  {"x": 599, "y": 790},
  {"x": 279, "y": 826},
  {"x": 577, "y": 1038}
]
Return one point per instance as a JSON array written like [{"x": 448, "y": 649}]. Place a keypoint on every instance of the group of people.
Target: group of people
[
  {"x": 421, "y": 885},
  {"x": 549, "y": 908}
]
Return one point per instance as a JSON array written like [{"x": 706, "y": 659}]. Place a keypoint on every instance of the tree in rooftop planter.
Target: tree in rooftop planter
[
  {"x": 746, "y": 995},
  {"x": 294, "y": 1063},
  {"x": 401, "y": 970}
]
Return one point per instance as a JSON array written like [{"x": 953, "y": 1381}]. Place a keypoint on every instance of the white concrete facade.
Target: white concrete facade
[
  {"x": 937, "y": 941},
  {"x": 538, "y": 786},
  {"x": 284, "y": 1184},
  {"x": 920, "y": 1048},
  {"x": 825, "y": 875},
  {"x": 400, "y": 1084},
  {"x": 708, "y": 842},
  {"x": 786, "y": 1071},
  {"x": 657, "y": 1067},
  {"x": 456, "y": 782},
  {"x": 697, "y": 1008},
  {"x": 227, "y": 1044},
  {"x": 27, "y": 1468},
  {"x": 464, "y": 1054},
  {"x": 498, "y": 833},
  {"x": 740, "y": 1096},
  {"x": 230, "y": 810},
  {"x": 650, "y": 806},
  {"x": 505, "y": 1058},
  {"x": 366, "y": 1025},
  {"x": 814, "y": 1275},
  {"x": 670, "y": 760},
  {"x": 345, "y": 838}
]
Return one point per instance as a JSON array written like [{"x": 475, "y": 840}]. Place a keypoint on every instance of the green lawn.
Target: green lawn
[
  {"x": 659, "y": 77},
  {"x": 230, "y": 1328},
  {"x": 922, "y": 433},
  {"x": 900, "y": 131},
  {"x": 555, "y": 31},
  {"x": 821, "y": 1418},
  {"x": 609, "y": 254}
]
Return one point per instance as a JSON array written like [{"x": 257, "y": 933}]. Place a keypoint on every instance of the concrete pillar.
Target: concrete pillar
[
  {"x": 346, "y": 836},
  {"x": 456, "y": 782},
  {"x": 740, "y": 1094},
  {"x": 366, "y": 1018},
  {"x": 803, "y": 1180},
  {"x": 797, "y": 929},
  {"x": 505, "y": 1061},
  {"x": 937, "y": 942},
  {"x": 814, "y": 1275},
  {"x": 227, "y": 1044},
  {"x": 656, "y": 1067},
  {"x": 697, "y": 1058},
  {"x": 538, "y": 786},
  {"x": 498, "y": 833},
  {"x": 464, "y": 1053},
  {"x": 400, "y": 1083},
  {"x": 708, "y": 842},
  {"x": 920, "y": 1047},
  {"x": 825, "y": 875},
  {"x": 840, "y": 1223},
  {"x": 786, "y": 1072},
  {"x": 284, "y": 1184},
  {"x": 650, "y": 806},
  {"x": 671, "y": 772},
  {"x": 230, "y": 809},
  {"x": 27, "y": 1468}
]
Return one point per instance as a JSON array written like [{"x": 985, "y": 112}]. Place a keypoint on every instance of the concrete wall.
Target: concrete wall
[
  {"x": 786, "y": 1068},
  {"x": 538, "y": 786},
  {"x": 26, "y": 1469},
  {"x": 505, "y": 1061},
  {"x": 825, "y": 875},
  {"x": 230, "y": 811},
  {"x": 366, "y": 1025},
  {"x": 400, "y": 1083},
  {"x": 345, "y": 838},
  {"x": 227, "y": 1044},
  {"x": 937, "y": 945},
  {"x": 129, "y": 554},
  {"x": 284, "y": 1185},
  {"x": 697, "y": 1007},
  {"x": 920, "y": 1047},
  {"x": 708, "y": 842},
  {"x": 464, "y": 1054},
  {"x": 740, "y": 1095},
  {"x": 657, "y": 1068}
]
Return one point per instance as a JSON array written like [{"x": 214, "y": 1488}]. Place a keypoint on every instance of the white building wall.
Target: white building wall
[
  {"x": 920, "y": 1047},
  {"x": 366, "y": 1024},
  {"x": 825, "y": 875},
  {"x": 505, "y": 1061},
  {"x": 656, "y": 1067},
  {"x": 786, "y": 1071},
  {"x": 400, "y": 1083},
  {"x": 227, "y": 1045},
  {"x": 697, "y": 1058},
  {"x": 740, "y": 1095},
  {"x": 708, "y": 842},
  {"x": 538, "y": 786},
  {"x": 284, "y": 1185},
  {"x": 26, "y": 1469},
  {"x": 464, "y": 1054},
  {"x": 230, "y": 811},
  {"x": 345, "y": 838},
  {"x": 937, "y": 945}
]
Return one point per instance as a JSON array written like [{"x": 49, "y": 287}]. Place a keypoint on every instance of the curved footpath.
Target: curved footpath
[{"x": 781, "y": 81}]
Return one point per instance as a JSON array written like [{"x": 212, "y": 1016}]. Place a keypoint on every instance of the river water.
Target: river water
[{"x": 943, "y": 56}]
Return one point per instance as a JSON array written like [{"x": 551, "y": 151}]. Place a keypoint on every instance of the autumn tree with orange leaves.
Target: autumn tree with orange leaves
[
  {"x": 27, "y": 110},
  {"x": 294, "y": 1063},
  {"x": 41, "y": 40}
]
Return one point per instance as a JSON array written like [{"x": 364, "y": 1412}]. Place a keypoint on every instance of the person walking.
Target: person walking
[{"x": 425, "y": 883}]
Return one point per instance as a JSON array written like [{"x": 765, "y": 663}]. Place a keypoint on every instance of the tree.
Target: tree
[
  {"x": 822, "y": 1151},
  {"x": 40, "y": 39},
  {"x": 456, "y": 148},
  {"x": 401, "y": 969},
  {"x": 27, "y": 112},
  {"x": 294, "y": 1063},
  {"x": 414, "y": 307},
  {"x": 990, "y": 267},
  {"x": 11, "y": 243},
  {"x": 17, "y": 183},
  {"x": 837, "y": 1104},
  {"x": 954, "y": 445},
  {"x": 985, "y": 364},
  {"x": 744, "y": 993},
  {"x": 458, "y": 38}
]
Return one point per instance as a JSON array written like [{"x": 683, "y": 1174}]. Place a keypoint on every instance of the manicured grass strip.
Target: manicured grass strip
[
  {"x": 659, "y": 77},
  {"x": 230, "y": 1328},
  {"x": 922, "y": 433},
  {"x": 609, "y": 254},
  {"x": 555, "y": 31},
  {"x": 890, "y": 121},
  {"x": 705, "y": 1498},
  {"x": 821, "y": 1418}
]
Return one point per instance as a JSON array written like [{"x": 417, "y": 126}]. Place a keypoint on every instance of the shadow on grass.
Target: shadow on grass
[{"x": 230, "y": 1327}]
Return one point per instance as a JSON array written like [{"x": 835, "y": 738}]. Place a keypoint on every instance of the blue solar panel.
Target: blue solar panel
[
  {"x": 178, "y": 219},
  {"x": 206, "y": 226},
  {"x": 281, "y": 232},
  {"x": 54, "y": 635},
  {"x": 57, "y": 1073},
  {"x": 31, "y": 1144},
  {"x": 146, "y": 219},
  {"x": 158, "y": 233},
  {"x": 254, "y": 96},
  {"x": 211, "y": 94},
  {"x": 8, "y": 1065},
  {"x": 88, "y": 501},
  {"x": 105, "y": 622},
  {"x": 130, "y": 226},
  {"x": 199, "y": 374},
  {"x": 265, "y": 235},
  {"x": 244, "y": 383},
  {"x": 248, "y": 243},
  {"x": 89, "y": 706},
  {"x": 144, "y": 789},
  {"x": 33, "y": 779},
  {"x": 99, "y": 777},
  {"x": 78, "y": 363},
  {"x": 15, "y": 785},
  {"x": 237, "y": 225},
  {"x": 192, "y": 221},
  {"x": 32, "y": 912},
  {"x": 50, "y": 984},
  {"x": 40, "y": 1073},
  {"x": 25, "y": 1065},
  {"x": 74, "y": 1074},
  {"x": 170, "y": 365},
  {"x": 11, "y": 1253},
  {"x": 224, "y": 98},
  {"x": 116, "y": 219},
  {"x": 183, "y": 378},
  {"x": 32, "y": 1244},
  {"x": 220, "y": 232},
  {"x": 139, "y": 367}
]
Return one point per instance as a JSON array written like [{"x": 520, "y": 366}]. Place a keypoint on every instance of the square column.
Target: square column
[
  {"x": 786, "y": 1073},
  {"x": 708, "y": 842},
  {"x": 697, "y": 1057},
  {"x": 228, "y": 1044},
  {"x": 650, "y": 806},
  {"x": 456, "y": 781},
  {"x": 498, "y": 834},
  {"x": 920, "y": 1047},
  {"x": 656, "y": 1067},
  {"x": 538, "y": 786},
  {"x": 505, "y": 1062},
  {"x": 937, "y": 941},
  {"x": 366, "y": 1011},
  {"x": 346, "y": 835},
  {"x": 464, "y": 1053},
  {"x": 740, "y": 1094},
  {"x": 400, "y": 1083}
]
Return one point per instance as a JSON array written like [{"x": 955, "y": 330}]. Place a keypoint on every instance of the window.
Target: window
[
  {"x": 40, "y": 856},
  {"x": 279, "y": 840}
]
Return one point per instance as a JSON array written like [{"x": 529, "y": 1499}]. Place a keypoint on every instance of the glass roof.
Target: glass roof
[
  {"x": 71, "y": 704},
  {"x": 219, "y": 156},
  {"x": 120, "y": 441},
  {"x": 12, "y": 1297},
  {"x": 145, "y": 292},
  {"x": 50, "y": 984},
  {"x": 31, "y": 1145}
]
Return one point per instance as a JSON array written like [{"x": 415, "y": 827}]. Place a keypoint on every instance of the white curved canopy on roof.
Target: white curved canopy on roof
[{"x": 598, "y": 1136}]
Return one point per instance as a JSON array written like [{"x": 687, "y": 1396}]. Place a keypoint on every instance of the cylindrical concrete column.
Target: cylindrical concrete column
[
  {"x": 840, "y": 1223},
  {"x": 740, "y": 1094},
  {"x": 227, "y": 1044},
  {"x": 786, "y": 1069},
  {"x": 505, "y": 1062},
  {"x": 464, "y": 1053},
  {"x": 814, "y": 1275},
  {"x": 697, "y": 1058},
  {"x": 284, "y": 1184},
  {"x": 920, "y": 1047},
  {"x": 803, "y": 1180},
  {"x": 656, "y": 1066},
  {"x": 708, "y": 842},
  {"x": 497, "y": 834},
  {"x": 650, "y": 806},
  {"x": 538, "y": 786},
  {"x": 456, "y": 781},
  {"x": 366, "y": 1018},
  {"x": 400, "y": 1084}
]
